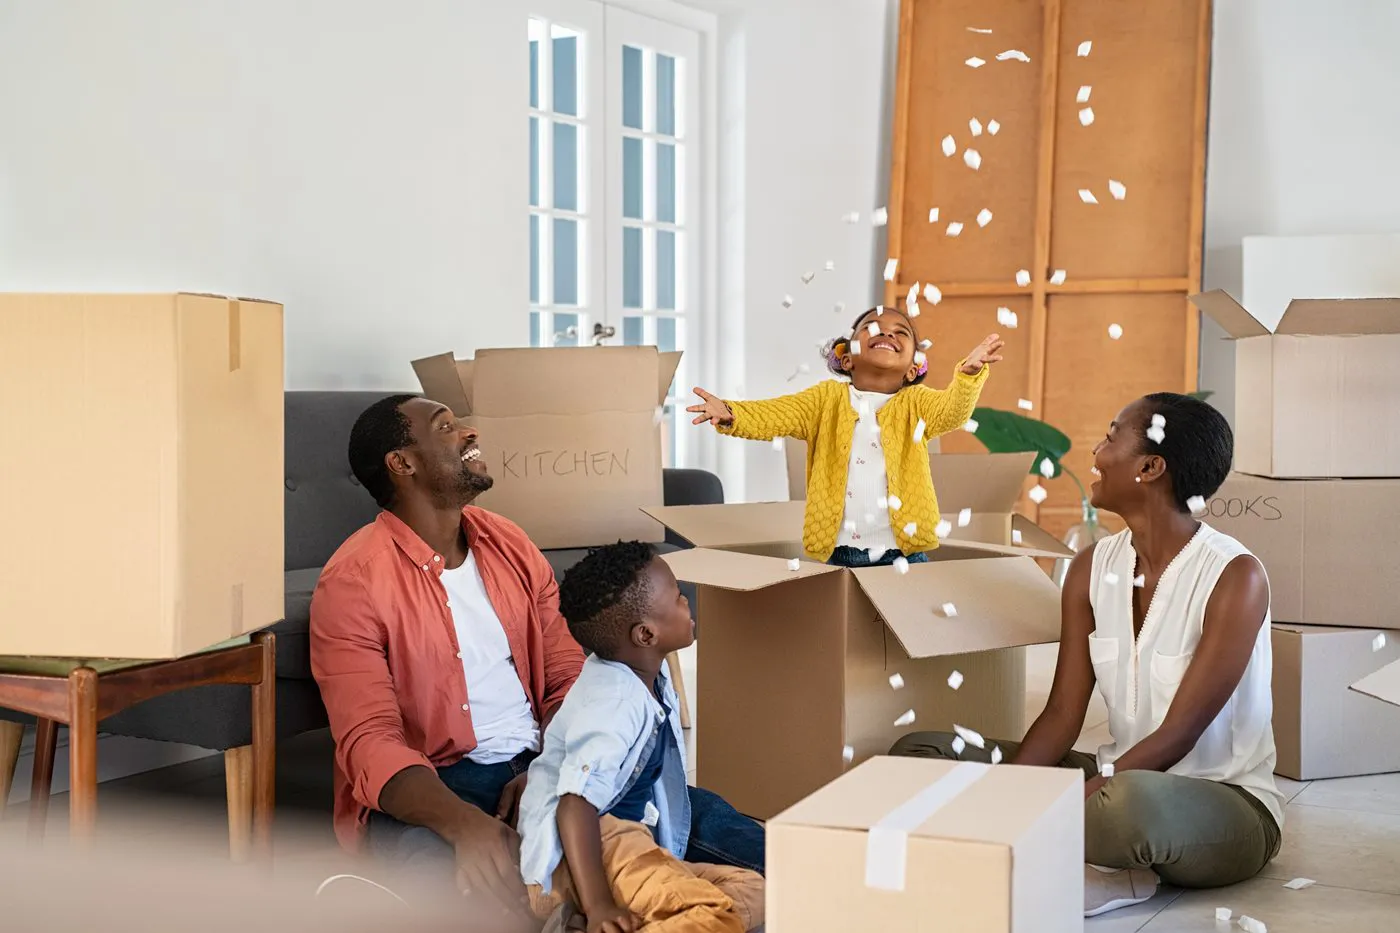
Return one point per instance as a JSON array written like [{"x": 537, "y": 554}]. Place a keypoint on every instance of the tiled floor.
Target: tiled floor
[{"x": 1345, "y": 834}]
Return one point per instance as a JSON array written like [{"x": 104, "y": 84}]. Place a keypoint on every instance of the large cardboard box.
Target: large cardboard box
[
  {"x": 1319, "y": 394},
  {"x": 1321, "y": 728},
  {"x": 571, "y": 436},
  {"x": 797, "y": 663},
  {"x": 1327, "y": 545},
  {"x": 912, "y": 844},
  {"x": 142, "y": 451}
]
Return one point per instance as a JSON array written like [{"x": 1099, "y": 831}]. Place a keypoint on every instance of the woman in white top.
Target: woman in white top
[{"x": 1171, "y": 619}]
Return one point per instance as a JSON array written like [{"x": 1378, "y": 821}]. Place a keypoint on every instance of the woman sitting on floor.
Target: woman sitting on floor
[{"x": 1171, "y": 619}]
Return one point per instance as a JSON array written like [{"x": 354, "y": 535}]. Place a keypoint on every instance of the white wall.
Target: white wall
[
  {"x": 360, "y": 161},
  {"x": 1304, "y": 136}
]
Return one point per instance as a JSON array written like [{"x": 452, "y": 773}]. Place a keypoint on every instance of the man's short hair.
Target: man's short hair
[
  {"x": 604, "y": 595},
  {"x": 380, "y": 430}
]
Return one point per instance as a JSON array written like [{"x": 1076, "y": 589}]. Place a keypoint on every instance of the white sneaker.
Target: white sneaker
[{"x": 1108, "y": 889}]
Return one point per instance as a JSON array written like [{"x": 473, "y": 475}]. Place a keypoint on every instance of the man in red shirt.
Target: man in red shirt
[{"x": 441, "y": 656}]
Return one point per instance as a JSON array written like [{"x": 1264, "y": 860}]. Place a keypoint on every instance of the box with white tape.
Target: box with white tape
[{"x": 911, "y": 843}]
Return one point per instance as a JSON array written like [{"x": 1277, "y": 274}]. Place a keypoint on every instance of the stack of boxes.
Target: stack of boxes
[{"x": 1316, "y": 496}]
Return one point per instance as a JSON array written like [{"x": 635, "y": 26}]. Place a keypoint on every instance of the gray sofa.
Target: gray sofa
[{"x": 324, "y": 505}]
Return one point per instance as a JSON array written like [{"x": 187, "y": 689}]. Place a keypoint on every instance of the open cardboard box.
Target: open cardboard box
[
  {"x": 571, "y": 435},
  {"x": 797, "y": 663},
  {"x": 1318, "y": 395}
]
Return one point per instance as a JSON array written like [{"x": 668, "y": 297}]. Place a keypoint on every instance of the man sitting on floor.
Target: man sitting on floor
[{"x": 438, "y": 646}]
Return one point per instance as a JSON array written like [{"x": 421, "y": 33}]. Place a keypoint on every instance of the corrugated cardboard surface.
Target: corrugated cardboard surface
[
  {"x": 1384, "y": 684},
  {"x": 1006, "y": 854},
  {"x": 569, "y": 434},
  {"x": 1320, "y": 395},
  {"x": 144, "y": 446},
  {"x": 1322, "y": 729},
  {"x": 1327, "y": 545}
]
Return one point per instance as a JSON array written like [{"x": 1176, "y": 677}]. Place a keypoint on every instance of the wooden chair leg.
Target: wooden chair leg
[
  {"x": 11, "y": 737},
  {"x": 673, "y": 666},
  {"x": 82, "y": 754},
  {"x": 238, "y": 780},
  {"x": 265, "y": 748},
  {"x": 45, "y": 746}
]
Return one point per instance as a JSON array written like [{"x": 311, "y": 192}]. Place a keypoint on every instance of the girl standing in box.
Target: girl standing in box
[{"x": 870, "y": 497}]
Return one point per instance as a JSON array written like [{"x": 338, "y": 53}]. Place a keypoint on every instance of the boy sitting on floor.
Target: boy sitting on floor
[{"x": 608, "y": 826}]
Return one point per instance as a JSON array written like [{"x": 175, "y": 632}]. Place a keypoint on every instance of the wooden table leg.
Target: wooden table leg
[
  {"x": 82, "y": 754},
  {"x": 238, "y": 788},
  {"x": 11, "y": 737},
  {"x": 45, "y": 745},
  {"x": 264, "y": 748}
]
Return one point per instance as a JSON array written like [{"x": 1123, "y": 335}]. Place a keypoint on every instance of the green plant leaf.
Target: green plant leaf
[{"x": 1004, "y": 432}]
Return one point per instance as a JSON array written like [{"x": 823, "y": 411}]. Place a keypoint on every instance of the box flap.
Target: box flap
[
  {"x": 734, "y": 525},
  {"x": 981, "y": 482},
  {"x": 565, "y": 380},
  {"x": 1341, "y": 317},
  {"x": 1001, "y": 602},
  {"x": 729, "y": 570},
  {"x": 1229, "y": 314},
  {"x": 1035, "y": 542},
  {"x": 446, "y": 380},
  {"x": 1384, "y": 684},
  {"x": 667, "y": 364}
]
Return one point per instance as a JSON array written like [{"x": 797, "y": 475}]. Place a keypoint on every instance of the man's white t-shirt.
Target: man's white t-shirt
[{"x": 501, "y": 716}]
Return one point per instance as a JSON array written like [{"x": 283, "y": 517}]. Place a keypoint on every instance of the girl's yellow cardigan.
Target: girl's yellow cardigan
[{"x": 823, "y": 417}]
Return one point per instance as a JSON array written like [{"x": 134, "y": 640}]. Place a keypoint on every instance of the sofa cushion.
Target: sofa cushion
[{"x": 294, "y": 632}]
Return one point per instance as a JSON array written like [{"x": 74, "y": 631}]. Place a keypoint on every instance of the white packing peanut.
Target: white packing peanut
[
  {"x": 905, "y": 719},
  {"x": 950, "y": 145},
  {"x": 1024, "y": 404},
  {"x": 890, "y": 266},
  {"x": 853, "y": 217},
  {"x": 1047, "y": 468},
  {"x": 944, "y": 528},
  {"x": 1086, "y": 116},
  {"x": 993, "y": 127},
  {"x": 925, "y": 343},
  {"x": 964, "y": 517},
  {"x": 855, "y": 349},
  {"x": 920, "y": 358},
  {"x": 1007, "y": 318},
  {"x": 1106, "y": 770},
  {"x": 984, "y": 217},
  {"x": 871, "y": 556},
  {"x": 919, "y": 430},
  {"x": 1084, "y": 48},
  {"x": 873, "y": 328},
  {"x": 1250, "y": 925},
  {"x": 974, "y": 62},
  {"x": 949, "y": 610},
  {"x": 848, "y": 754},
  {"x": 1087, "y": 196},
  {"x": 971, "y": 426},
  {"x": 1023, "y": 277},
  {"x": 1298, "y": 884},
  {"x": 955, "y": 679},
  {"x": 1117, "y": 189},
  {"x": 933, "y": 295},
  {"x": 1140, "y": 581},
  {"x": 958, "y": 745},
  {"x": 972, "y": 159},
  {"x": 830, "y": 265},
  {"x": 1223, "y": 914},
  {"x": 1038, "y": 494},
  {"x": 1197, "y": 504},
  {"x": 1015, "y": 536},
  {"x": 1057, "y": 277},
  {"x": 933, "y": 215},
  {"x": 879, "y": 217},
  {"x": 1378, "y": 642},
  {"x": 787, "y": 301},
  {"x": 1159, "y": 420},
  {"x": 1115, "y": 331},
  {"x": 849, "y": 525},
  {"x": 1013, "y": 55},
  {"x": 896, "y": 682},
  {"x": 1083, "y": 96},
  {"x": 896, "y": 502},
  {"x": 840, "y": 307},
  {"x": 794, "y": 564},
  {"x": 911, "y": 529},
  {"x": 996, "y": 755},
  {"x": 954, "y": 229},
  {"x": 901, "y": 564},
  {"x": 970, "y": 736},
  {"x": 985, "y": 32},
  {"x": 975, "y": 126},
  {"x": 882, "y": 503},
  {"x": 807, "y": 277},
  {"x": 1156, "y": 434}
]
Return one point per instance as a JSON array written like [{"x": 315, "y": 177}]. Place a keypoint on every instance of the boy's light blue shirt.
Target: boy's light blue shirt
[{"x": 596, "y": 746}]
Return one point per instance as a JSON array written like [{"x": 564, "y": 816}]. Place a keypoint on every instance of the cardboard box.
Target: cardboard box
[
  {"x": 571, "y": 436},
  {"x": 1322, "y": 729},
  {"x": 1325, "y": 544},
  {"x": 913, "y": 844},
  {"x": 1319, "y": 394},
  {"x": 143, "y": 452},
  {"x": 797, "y": 664},
  {"x": 1384, "y": 684}
]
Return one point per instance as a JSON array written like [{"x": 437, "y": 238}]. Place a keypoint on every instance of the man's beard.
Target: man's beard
[{"x": 464, "y": 487}]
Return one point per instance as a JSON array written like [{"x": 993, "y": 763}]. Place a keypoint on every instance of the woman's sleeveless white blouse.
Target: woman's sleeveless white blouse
[{"x": 1138, "y": 677}]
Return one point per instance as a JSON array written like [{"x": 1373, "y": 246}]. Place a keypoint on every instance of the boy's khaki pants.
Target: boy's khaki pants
[{"x": 668, "y": 895}]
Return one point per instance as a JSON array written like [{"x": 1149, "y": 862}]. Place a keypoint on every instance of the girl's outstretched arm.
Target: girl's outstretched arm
[{"x": 786, "y": 416}]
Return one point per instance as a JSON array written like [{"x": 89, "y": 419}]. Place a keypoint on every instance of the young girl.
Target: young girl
[{"x": 870, "y": 498}]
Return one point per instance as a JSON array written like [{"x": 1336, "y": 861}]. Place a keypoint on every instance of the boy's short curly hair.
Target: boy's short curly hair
[{"x": 605, "y": 594}]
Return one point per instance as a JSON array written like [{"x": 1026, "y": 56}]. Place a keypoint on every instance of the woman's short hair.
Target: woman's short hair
[{"x": 1196, "y": 443}]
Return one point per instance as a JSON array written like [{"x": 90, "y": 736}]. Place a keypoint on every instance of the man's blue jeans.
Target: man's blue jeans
[{"x": 719, "y": 834}]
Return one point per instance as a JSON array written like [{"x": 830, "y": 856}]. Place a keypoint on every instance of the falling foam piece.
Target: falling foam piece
[
  {"x": 996, "y": 754},
  {"x": 1298, "y": 884},
  {"x": 1250, "y": 925},
  {"x": 949, "y": 610},
  {"x": 971, "y": 426},
  {"x": 1024, "y": 404},
  {"x": 830, "y": 265},
  {"x": 993, "y": 127},
  {"x": 972, "y": 159},
  {"x": 879, "y": 217},
  {"x": 850, "y": 525},
  {"x": 1086, "y": 116},
  {"x": 807, "y": 277},
  {"x": 1115, "y": 331},
  {"x": 1140, "y": 580},
  {"x": 1117, "y": 189},
  {"x": 658, "y": 415},
  {"x": 1156, "y": 434},
  {"x": 882, "y": 503},
  {"x": 1057, "y": 277},
  {"x": 890, "y": 266},
  {"x": 873, "y": 329},
  {"x": 919, "y": 431},
  {"x": 1083, "y": 96},
  {"x": 933, "y": 215},
  {"x": 933, "y": 295},
  {"x": 1084, "y": 48},
  {"x": 913, "y": 293},
  {"x": 964, "y": 517},
  {"x": 984, "y": 217},
  {"x": 950, "y": 145},
  {"x": 1038, "y": 494},
  {"x": 1158, "y": 420},
  {"x": 896, "y": 503},
  {"x": 975, "y": 126},
  {"x": 794, "y": 564},
  {"x": 1006, "y": 318},
  {"x": 1223, "y": 914},
  {"x": 958, "y": 745},
  {"x": 1111, "y": 578},
  {"x": 1106, "y": 770},
  {"x": 787, "y": 301},
  {"x": 943, "y": 529},
  {"x": 896, "y": 682},
  {"x": 1015, "y": 536},
  {"x": 970, "y": 736},
  {"x": 1023, "y": 277},
  {"x": 920, "y": 358},
  {"x": 871, "y": 556},
  {"x": 925, "y": 344},
  {"x": 852, "y": 217},
  {"x": 1013, "y": 54},
  {"x": 974, "y": 62},
  {"x": 905, "y": 719},
  {"x": 777, "y": 443},
  {"x": 1197, "y": 505},
  {"x": 1378, "y": 642},
  {"x": 911, "y": 529},
  {"x": 1087, "y": 196},
  {"x": 913, "y": 309},
  {"x": 1047, "y": 468},
  {"x": 840, "y": 307},
  {"x": 955, "y": 679},
  {"x": 985, "y": 32},
  {"x": 848, "y": 754},
  {"x": 954, "y": 229}
]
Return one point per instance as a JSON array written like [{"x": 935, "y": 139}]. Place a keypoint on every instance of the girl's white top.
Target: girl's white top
[
  {"x": 1139, "y": 677},
  {"x": 866, "y": 522}
]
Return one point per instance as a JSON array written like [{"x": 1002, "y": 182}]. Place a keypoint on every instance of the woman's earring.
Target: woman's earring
[{"x": 1137, "y": 479}]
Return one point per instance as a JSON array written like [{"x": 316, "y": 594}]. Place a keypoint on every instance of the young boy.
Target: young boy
[{"x": 606, "y": 817}]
